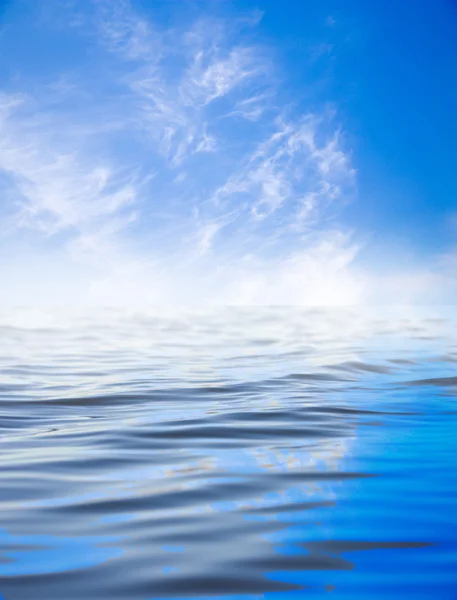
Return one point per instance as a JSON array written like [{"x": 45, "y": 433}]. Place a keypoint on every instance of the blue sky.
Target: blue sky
[{"x": 228, "y": 152}]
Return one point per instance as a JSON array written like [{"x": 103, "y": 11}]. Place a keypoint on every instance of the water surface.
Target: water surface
[{"x": 228, "y": 454}]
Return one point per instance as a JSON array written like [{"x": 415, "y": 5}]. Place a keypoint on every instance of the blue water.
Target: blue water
[{"x": 233, "y": 453}]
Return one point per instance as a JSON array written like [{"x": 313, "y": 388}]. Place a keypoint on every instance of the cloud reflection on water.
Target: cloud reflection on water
[{"x": 277, "y": 450}]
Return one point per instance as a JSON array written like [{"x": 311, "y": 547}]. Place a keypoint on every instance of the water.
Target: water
[{"x": 228, "y": 454}]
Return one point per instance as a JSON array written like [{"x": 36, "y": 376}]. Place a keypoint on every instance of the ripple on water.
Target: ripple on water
[{"x": 237, "y": 454}]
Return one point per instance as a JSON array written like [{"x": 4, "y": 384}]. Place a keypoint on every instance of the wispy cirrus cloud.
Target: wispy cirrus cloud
[
  {"x": 56, "y": 190},
  {"x": 253, "y": 107},
  {"x": 292, "y": 168},
  {"x": 176, "y": 77},
  {"x": 182, "y": 175}
]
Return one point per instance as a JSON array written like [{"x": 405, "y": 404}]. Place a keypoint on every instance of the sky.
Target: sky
[{"x": 228, "y": 152}]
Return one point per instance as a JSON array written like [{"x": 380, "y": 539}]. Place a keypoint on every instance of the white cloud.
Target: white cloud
[
  {"x": 175, "y": 77},
  {"x": 126, "y": 33},
  {"x": 57, "y": 190},
  {"x": 211, "y": 76},
  {"x": 206, "y": 235},
  {"x": 244, "y": 189},
  {"x": 253, "y": 107},
  {"x": 178, "y": 87},
  {"x": 319, "y": 274},
  {"x": 292, "y": 170}
]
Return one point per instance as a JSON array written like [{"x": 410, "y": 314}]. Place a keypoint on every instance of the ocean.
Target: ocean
[{"x": 232, "y": 453}]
